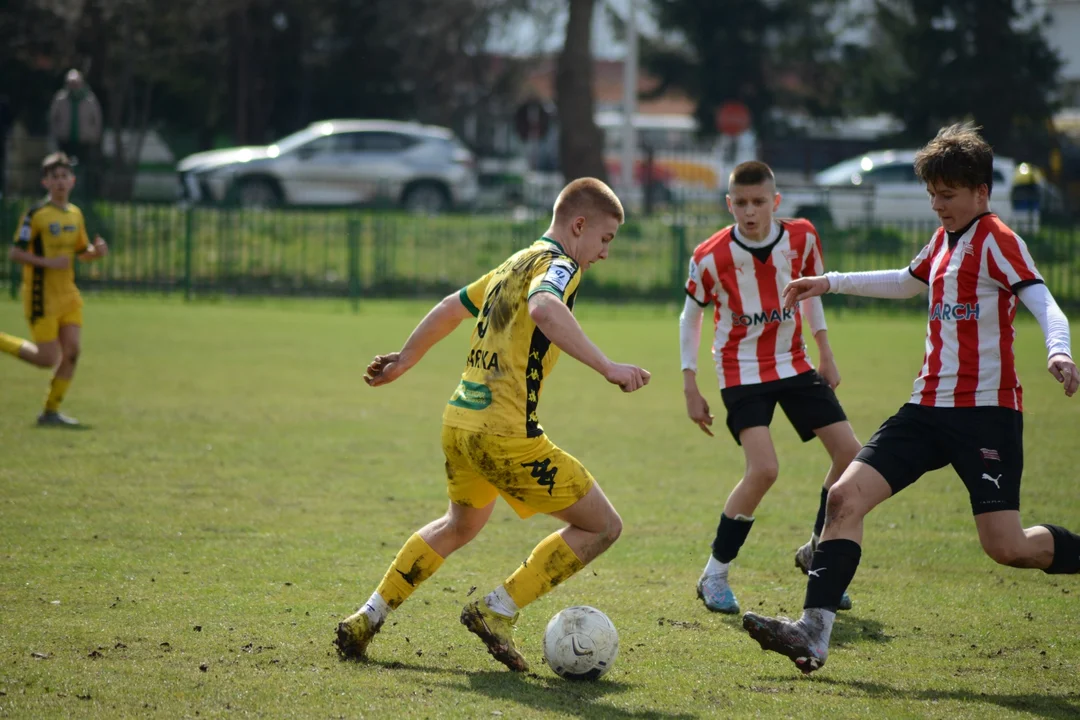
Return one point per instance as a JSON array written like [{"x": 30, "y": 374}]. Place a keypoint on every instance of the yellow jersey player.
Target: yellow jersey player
[
  {"x": 52, "y": 234},
  {"x": 492, "y": 438}
]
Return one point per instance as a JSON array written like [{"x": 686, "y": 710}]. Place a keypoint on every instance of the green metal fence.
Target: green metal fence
[{"x": 353, "y": 254}]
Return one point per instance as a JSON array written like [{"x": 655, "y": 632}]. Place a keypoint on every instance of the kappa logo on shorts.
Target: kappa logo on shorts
[{"x": 543, "y": 475}]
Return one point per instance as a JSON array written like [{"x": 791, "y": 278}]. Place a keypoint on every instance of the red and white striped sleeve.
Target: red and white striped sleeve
[
  {"x": 700, "y": 285},
  {"x": 920, "y": 266},
  {"x": 1010, "y": 263},
  {"x": 816, "y": 266}
]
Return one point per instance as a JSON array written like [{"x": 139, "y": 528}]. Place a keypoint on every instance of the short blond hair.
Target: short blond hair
[{"x": 586, "y": 196}]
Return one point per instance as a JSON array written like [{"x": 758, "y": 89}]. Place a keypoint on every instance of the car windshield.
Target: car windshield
[
  {"x": 301, "y": 137},
  {"x": 840, "y": 174}
]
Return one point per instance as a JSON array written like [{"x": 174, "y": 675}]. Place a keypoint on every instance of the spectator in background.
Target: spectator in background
[{"x": 75, "y": 125}]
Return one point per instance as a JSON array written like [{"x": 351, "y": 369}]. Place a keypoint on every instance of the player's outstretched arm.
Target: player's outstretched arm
[
  {"x": 96, "y": 251},
  {"x": 442, "y": 320},
  {"x": 1055, "y": 327},
  {"x": 894, "y": 284},
  {"x": 25, "y": 257},
  {"x": 561, "y": 327}
]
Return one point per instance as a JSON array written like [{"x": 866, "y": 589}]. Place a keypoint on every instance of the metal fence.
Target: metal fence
[{"x": 353, "y": 254}]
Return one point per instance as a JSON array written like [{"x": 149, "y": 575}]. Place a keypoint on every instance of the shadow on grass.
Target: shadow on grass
[
  {"x": 1041, "y": 705},
  {"x": 555, "y": 695}
]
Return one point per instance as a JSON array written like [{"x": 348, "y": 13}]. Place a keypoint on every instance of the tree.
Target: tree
[
  {"x": 764, "y": 53},
  {"x": 581, "y": 144},
  {"x": 954, "y": 59}
]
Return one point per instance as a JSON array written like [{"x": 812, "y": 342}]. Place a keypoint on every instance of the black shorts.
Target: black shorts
[
  {"x": 985, "y": 445},
  {"x": 806, "y": 399}
]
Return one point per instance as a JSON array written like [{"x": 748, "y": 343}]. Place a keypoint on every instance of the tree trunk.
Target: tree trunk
[{"x": 581, "y": 145}]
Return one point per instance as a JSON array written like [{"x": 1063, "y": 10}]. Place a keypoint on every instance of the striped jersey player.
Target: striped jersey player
[
  {"x": 965, "y": 409},
  {"x": 761, "y": 359}
]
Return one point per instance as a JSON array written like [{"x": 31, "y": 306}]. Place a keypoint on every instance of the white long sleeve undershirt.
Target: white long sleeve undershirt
[
  {"x": 690, "y": 333},
  {"x": 902, "y": 284},
  {"x": 690, "y": 327},
  {"x": 877, "y": 283},
  {"x": 1052, "y": 320}
]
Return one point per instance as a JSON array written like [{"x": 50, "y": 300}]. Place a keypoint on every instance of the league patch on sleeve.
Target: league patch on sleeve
[
  {"x": 559, "y": 274},
  {"x": 24, "y": 233}
]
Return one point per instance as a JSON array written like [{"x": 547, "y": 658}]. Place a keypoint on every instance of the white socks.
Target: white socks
[
  {"x": 715, "y": 567},
  {"x": 376, "y": 608},
  {"x": 499, "y": 601},
  {"x": 819, "y": 623}
]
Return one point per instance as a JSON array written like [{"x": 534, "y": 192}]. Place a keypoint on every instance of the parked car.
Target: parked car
[
  {"x": 421, "y": 168},
  {"x": 881, "y": 188}
]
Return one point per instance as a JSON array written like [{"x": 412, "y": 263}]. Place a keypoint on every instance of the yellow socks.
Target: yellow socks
[
  {"x": 10, "y": 344},
  {"x": 414, "y": 564},
  {"x": 57, "y": 389},
  {"x": 551, "y": 562}
]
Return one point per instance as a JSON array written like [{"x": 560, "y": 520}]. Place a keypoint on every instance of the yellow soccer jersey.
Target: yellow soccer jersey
[
  {"x": 51, "y": 231},
  {"x": 510, "y": 357}
]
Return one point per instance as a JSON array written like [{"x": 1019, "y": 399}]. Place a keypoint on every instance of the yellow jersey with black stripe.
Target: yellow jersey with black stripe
[
  {"x": 48, "y": 230},
  {"x": 509, "y": 356}
]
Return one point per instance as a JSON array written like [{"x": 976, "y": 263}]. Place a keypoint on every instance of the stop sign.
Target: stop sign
[{"x": 733, "y": 118}]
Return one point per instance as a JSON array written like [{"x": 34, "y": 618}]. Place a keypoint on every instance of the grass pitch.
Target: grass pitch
[{"x": 242, "y": 490}]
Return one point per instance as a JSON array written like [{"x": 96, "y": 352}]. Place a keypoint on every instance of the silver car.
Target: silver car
[
  {"x": 421, "y": 168},
  {"x": 880, "y": 187}
]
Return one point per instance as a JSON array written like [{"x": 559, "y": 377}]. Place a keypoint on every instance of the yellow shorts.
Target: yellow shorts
[
  {"x": 46, "y": 329},
  {"x": 532, "y": 474}
]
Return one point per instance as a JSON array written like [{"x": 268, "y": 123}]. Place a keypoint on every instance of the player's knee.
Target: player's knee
[
  {"x": 71, "y": 355},
  {"x": 763, "y": 474},
  {"x": 611, "y": 529},
  {"x": 842, "y": 503},
  {"x": 46, "y": 357},
  {"x": 614, "y": 528},
  {"x": 1004, "y": 552}
]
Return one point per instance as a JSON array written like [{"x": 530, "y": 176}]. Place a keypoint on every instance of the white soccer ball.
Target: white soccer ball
[{"x": 580, "y": 643}]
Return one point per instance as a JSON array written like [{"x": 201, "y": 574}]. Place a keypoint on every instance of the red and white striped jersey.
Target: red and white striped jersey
[
  {"x": 969, "y": 337},
  {"x": 756, "y": 339}
]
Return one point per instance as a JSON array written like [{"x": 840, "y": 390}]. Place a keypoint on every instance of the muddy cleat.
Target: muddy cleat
[
  {"x": 54, "y": 419},
  {"x": 804, "y": 557},
  {"x": 789, "y": 638},
  {"x": 497, "y": 632},
  {"x": 717, "y": 595},
  {"x": 354, "y": 633}
]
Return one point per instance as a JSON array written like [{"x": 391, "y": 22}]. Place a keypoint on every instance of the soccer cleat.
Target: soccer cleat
[
  {"x": 804, "y": 557},
  {"x": 497, "y": 632},
  {"x": 51, "y": 418},
  {"x": 717, "y": 595},
  {"x": 354, "y": 633},
  {"x": 789, "y": 638}
]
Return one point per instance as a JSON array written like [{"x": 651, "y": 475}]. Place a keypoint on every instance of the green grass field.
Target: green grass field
[{"x": 242, "y": 490}]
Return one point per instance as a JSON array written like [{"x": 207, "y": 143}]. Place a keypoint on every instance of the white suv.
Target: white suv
[
  {"x": 421, "y": 168},
  {"x": 880, "y": 188}
]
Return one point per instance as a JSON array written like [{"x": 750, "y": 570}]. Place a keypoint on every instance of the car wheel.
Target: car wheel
[
  {"x": 426, "y": 198},
  {"x": 257, "y": 193}
]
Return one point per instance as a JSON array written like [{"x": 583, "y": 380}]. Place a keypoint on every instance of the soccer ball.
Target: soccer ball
[{"x": 580, "y": 643}]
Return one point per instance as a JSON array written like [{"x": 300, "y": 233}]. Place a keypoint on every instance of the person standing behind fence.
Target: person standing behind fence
[
  {"x": 75, "y": 125},
  {"x": 51, "y": 235}
]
